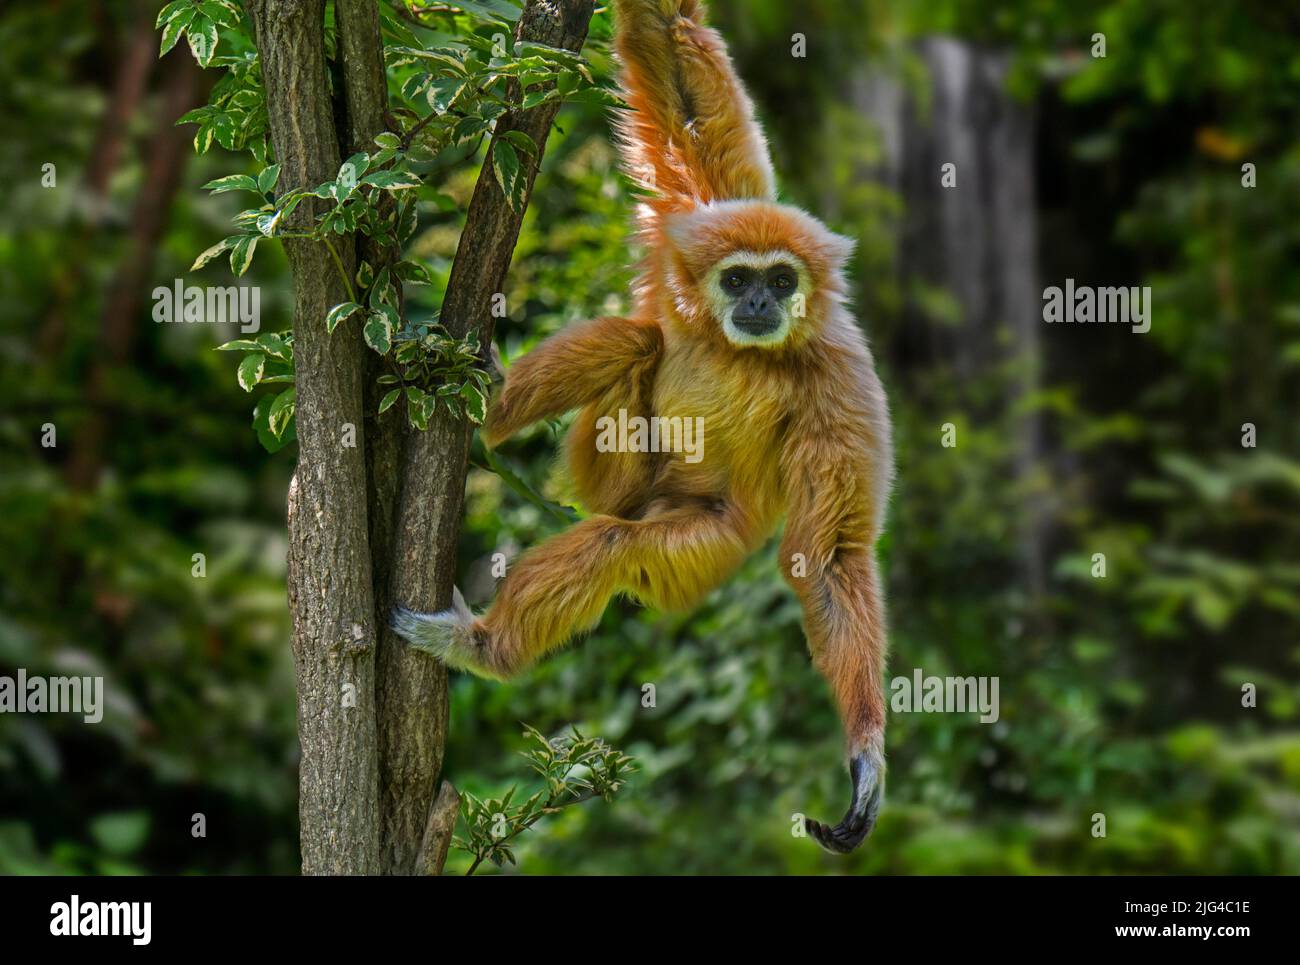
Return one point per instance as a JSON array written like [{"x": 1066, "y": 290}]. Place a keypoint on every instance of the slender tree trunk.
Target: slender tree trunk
[
  {"x": 377, "y": 524},
  {"x": 330, "y": 591}
]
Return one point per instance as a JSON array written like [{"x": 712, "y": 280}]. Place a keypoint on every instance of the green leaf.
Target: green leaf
[
  {"x": 261, "y": 426},
  {"x": 521, "y": 141},
  {"x": 407, "y": 220},
  {"x": 485, "y": 458},
  {"x": 241, "y": 254},
  {"x": 390, "y": 316},
  {"x": 387, "y": 402},
  {"x": 221, "y": 11},
  {"x": 388, "y": 140},
  {"x": 281, "y": 412},
  {"x": 413, "y": 272},
  {"x": 350, "y": 172},
  {"x": 202, "y": 35},
  {"x": 211, "y": 253},
  {"x": 475, "y": 403},
  {"x": 225, "y": 131},
  {"x": 379, "y": 292},
  {"x": 416, "y": 409},
  {"x": 268, "y": 178},
  {"x": 535, "y": 98},
  {"x": 365, "y": 275},
  {"x": 392, "y": 180},
  {"x": 196, "y": 116},
  {"x": 172, "y": 33},
  {"x": 171, "y": 10},
  {"x": 203, "y": 138},
  {"x": 274, "y": 345},
  {"x": 250, "y": 370},
  {"x": 468, "y": 128},
  {"x": 239, "y": 345},
  {"x": 378, "y": 333},
  {"x": 268, "y": 223},
  {"x": 338, "y": 313},
  {"x": 444, "y": 58},
  {"x": 233, "y": 182},
  {"x": 444, "y": 91},
  {"x": 505, "y": 165},
  {"x": 496, "y": 11}
]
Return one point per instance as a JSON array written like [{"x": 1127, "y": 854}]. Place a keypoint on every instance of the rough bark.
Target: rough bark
[
  {"x": 412, "y": 688},
  {"x": 379, "y": 524},
  {"x": 330, "y": 591},
  {"x": 410, "y": 695}
]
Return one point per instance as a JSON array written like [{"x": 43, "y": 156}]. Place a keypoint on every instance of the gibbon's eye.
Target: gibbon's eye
[
  {"x": 734, "y": 280},
  {"x": 783, "y": 279}
]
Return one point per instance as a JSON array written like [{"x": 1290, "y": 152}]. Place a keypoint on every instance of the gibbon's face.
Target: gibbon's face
[
  {"x": 756, "y": 295},
  {"x": 753, "y": 274}
]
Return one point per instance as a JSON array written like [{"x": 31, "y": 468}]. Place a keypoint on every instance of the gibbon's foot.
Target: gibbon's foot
[
  {"x": 448, "y": 635},
  {"x": 868, "y": 790}
]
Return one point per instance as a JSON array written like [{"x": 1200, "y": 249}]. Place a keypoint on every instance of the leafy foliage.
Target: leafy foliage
[
  {"x": 574, "y": 769},
  {"x": 453, "y": 77}
]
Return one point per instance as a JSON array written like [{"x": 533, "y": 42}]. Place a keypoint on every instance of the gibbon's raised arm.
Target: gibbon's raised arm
[
  {"x": 570, "y": 369},
  {"x": 690, "y": 136}
]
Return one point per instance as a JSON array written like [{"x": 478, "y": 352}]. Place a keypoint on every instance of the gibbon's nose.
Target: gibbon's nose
[{"x": 757, "y": 305}]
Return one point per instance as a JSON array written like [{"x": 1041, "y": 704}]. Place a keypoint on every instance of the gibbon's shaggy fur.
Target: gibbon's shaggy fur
[{"x": 796, "y": 420}]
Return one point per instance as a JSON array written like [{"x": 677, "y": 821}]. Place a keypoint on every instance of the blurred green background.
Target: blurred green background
[{"x": 1120, "y": 695}]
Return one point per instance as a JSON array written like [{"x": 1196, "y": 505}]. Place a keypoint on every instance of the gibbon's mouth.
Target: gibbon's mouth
[{"x": 756, "y": 326}]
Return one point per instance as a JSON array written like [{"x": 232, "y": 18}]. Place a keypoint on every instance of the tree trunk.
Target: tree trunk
[
  {"x": 330, "y": 592},
  {"x": 377, "y": 524},
  {"x": 413, "y": 688}
]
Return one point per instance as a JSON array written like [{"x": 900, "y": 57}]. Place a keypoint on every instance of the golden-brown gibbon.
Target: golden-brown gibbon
[{"x": 739, "y": 321}]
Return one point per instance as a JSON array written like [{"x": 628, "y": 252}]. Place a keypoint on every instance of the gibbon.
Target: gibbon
[{"x": 740, "y": 320}]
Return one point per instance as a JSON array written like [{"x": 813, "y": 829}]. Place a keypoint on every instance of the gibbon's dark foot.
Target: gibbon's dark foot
[{"x": 868, "y": 791}]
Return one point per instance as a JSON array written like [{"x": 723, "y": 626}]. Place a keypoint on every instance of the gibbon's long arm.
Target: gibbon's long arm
[
  {"x": 570, "y": 369},
  {"x": 827, "y": 556},
  {"x": 690, "y": 136}
]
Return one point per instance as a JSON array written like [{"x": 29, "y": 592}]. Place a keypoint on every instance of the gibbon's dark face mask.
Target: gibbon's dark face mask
[{"x": 759, "y": 297}]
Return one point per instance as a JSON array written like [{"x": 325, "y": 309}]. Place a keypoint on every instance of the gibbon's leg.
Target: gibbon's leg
[
  {"x": 668, "y": 560},
  {"x": 570, "y": 369}
]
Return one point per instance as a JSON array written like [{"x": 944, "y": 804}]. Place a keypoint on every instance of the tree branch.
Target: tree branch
[{"x": 413, "y": 694}]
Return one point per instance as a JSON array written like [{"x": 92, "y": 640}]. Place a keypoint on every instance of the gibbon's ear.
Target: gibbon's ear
[{"x": 838, "y": 249}]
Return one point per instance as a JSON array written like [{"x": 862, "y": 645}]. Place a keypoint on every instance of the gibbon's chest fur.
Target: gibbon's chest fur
[{"x": 742, "y": 402}]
